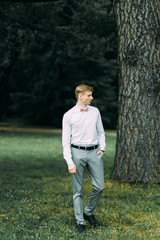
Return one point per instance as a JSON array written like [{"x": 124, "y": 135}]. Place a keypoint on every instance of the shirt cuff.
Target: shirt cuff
[{"x": 69, "y": 161}]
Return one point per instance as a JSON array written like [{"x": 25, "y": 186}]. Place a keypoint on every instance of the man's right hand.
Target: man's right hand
[{"x": 72, "y": 168}]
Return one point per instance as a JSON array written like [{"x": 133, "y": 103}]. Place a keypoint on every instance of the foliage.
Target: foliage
[
  {"x": 48, "y": 48},
  {"x": 36, "y": 195}
]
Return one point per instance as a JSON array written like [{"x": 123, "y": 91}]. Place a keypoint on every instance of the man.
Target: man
[{"x": 82, "y": 134}]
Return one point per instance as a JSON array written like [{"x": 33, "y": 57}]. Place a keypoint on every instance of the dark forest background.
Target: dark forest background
[{"x": 47, "y": 49}]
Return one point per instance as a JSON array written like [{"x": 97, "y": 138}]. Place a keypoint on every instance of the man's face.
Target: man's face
[{"x": 86, "y": 97}]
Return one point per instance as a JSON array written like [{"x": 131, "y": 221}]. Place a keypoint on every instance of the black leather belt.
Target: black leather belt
[{"x": 85, "y": 148}]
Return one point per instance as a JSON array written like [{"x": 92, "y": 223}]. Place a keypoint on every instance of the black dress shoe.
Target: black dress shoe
[
  {"x": 91, "y": 219},
  {"x": 81, "y": 228}
]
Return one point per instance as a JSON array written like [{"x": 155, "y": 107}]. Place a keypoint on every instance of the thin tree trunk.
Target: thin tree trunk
[{"x": 137, "y": 156}]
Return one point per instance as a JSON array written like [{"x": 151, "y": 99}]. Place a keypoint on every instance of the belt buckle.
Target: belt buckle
[
  {"x": 85, "y": 148},
  {"x": 79, "y": 147}
]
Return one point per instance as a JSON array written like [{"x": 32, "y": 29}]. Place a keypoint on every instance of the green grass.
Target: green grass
[{"x": 36, "y": 195}]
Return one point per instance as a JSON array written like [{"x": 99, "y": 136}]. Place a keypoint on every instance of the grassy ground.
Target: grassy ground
[{"x": 36, "y": 195}]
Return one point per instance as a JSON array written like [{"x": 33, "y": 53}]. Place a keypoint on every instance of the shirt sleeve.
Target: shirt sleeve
[
  {"x": 66, "y": 140},
  {"x": 101, "y": 133}
]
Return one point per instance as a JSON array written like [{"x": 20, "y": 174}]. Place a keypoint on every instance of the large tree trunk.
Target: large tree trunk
[{"x": 138, "y": 138}]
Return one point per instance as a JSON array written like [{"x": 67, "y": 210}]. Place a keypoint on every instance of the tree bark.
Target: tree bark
[{"x": 137, "y": 156}]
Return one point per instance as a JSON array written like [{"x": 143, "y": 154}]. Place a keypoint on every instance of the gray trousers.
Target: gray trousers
[{"x": 86, "y": 159}]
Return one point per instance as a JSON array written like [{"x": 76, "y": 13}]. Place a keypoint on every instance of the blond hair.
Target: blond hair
[{"x": 82, "y": 88}]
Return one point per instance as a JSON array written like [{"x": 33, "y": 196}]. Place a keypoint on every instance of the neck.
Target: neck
[{"x": 81, "y": 104}]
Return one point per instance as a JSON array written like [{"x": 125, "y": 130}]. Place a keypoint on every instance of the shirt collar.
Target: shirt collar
[{"x": 79, "y": 107}]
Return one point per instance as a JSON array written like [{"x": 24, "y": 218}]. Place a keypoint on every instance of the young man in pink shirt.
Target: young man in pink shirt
[{"x": 83, "y": 141}]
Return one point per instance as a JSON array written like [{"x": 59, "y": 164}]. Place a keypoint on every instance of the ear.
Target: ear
[{"x": 80, "y": 96}]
